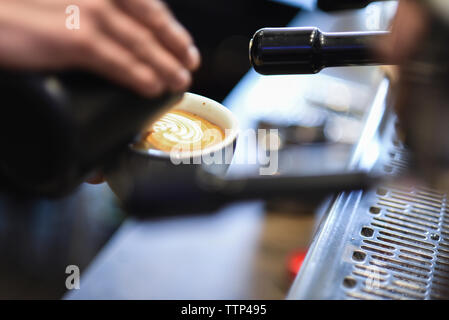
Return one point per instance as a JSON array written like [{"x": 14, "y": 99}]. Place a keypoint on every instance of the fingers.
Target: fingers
[
  {"x": 116, "y": 63},
  {"x": 147, "y": 55},
  {"x": 146, "y": 47},
  {"x": 155, "y": 15}
]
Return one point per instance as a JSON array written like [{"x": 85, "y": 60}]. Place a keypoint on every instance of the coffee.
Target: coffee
[{"x": 182, "y": 131}]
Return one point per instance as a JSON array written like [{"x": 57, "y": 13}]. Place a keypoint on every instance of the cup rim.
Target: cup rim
[{"x": 229, "y": 139}]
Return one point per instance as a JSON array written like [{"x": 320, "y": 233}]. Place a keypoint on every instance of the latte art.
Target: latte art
[
  {"x": 177, "y": 128},
  {"x": 183, "y": 130}
]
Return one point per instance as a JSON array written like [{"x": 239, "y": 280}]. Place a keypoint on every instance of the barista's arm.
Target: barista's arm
[{"x": 137, "y": 43}]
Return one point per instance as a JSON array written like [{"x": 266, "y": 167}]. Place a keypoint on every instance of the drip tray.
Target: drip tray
[
  {"x": 391, "y": 242},
  {"x": 402, "y": 249}
]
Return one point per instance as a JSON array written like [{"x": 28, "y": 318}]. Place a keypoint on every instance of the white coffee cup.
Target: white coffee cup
[{"x": 140, "y": 172}]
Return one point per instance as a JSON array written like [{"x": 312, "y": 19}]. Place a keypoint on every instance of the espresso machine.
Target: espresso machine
[{"x": 390, "y": 241}]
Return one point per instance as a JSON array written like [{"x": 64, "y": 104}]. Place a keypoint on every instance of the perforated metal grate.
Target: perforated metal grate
[{"x": 404, "y": 251}]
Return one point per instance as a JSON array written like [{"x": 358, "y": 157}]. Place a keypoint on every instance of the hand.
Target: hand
[
  {"x": 409, "y": 26},
  {"x": 137, "y": 43}
]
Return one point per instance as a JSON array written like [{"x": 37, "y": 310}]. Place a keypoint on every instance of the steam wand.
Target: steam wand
[{"x": 309, "y": 50}]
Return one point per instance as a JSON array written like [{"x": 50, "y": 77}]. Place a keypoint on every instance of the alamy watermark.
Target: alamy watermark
[
  {"x": 259, "y": 147},
  {"x": 72, "y": 21},
  {"x": 73, "y": 279}
]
